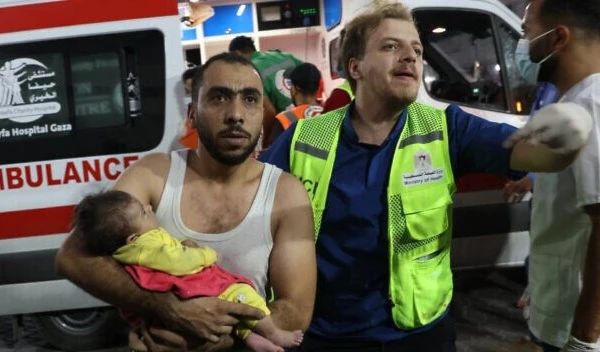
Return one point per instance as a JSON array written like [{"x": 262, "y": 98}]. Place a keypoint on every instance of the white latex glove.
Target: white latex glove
[
  {"x": 575, "y": 345},
  {"x": 563, "y": 127}
]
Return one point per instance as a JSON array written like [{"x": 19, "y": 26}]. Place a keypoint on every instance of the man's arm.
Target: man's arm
[
  {"x": 293, "y": 267},
  {"x": 104, "y": 278},
  {"x": 586, "y": 322},
  {"x": 552, "y": 139},
  {"x": 101, "y": 275}
]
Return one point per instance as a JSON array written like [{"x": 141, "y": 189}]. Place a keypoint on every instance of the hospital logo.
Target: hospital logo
[
  {"x": 422, "y": 160},
  {"x": 283, "y": 84},
  {"x": 28, "y": 90}
]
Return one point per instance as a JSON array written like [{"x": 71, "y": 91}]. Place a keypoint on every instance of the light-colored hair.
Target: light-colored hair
[{"x": 360, "y": 28}]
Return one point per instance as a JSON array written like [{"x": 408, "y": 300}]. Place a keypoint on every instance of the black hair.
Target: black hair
[
  {"x": 188, "y": 74},
  {"x": 582, "y": 14},
  {"x": 227, "y": 57},
  {"x": 243, "y": 44},
  {"x": 102, "y": 222},
  {"x": 306, "y": 77}
]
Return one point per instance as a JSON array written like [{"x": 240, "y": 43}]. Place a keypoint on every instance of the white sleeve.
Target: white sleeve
[{"x": 586, "y": 168}]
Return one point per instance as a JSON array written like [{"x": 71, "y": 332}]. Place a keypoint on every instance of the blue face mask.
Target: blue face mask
[{"x": 528, "y": 69}]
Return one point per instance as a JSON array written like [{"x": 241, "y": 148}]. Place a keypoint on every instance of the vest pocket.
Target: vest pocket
[
  {"x": 426, "y": 211},
  {"x": 432, "y": 287}
]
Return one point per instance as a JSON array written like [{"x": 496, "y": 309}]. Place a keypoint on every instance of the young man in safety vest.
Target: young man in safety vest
[
  {"x": 381, "y": 174},
  {"x": 305, "y": 82}
]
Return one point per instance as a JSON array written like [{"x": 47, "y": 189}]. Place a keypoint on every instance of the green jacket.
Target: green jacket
[{"x": 272, "y": 64}]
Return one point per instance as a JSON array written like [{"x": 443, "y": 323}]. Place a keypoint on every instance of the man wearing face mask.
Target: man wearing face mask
[{"x": 563, "y": 41}]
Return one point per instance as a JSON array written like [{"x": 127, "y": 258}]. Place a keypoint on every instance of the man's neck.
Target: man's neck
[
  {"x": 373, "y": 122},
  {"x": 576, "y": 65},
  {"x": 306, "y": 100},
  {"x": 213, "y": 171}
]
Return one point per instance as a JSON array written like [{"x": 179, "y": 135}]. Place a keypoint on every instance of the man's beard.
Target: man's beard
[
  {"x": 401, "y": 100},
  {"x": 210, "y": 143},
  {"x": 548, "y": 70}
]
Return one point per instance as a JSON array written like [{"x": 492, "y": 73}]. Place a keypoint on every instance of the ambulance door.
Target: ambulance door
[{"x": 469, "y": 60}]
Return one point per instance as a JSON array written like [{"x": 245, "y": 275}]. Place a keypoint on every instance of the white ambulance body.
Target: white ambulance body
[{"x": 86, "y": 89}]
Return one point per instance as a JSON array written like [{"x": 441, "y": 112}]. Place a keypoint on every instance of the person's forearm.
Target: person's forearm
[
  {"x": 538, "y": 158},
  {"x": 586, "y": 322},
  {"x": 288, "y": 316},
  {"x": 104, "y": 278}
]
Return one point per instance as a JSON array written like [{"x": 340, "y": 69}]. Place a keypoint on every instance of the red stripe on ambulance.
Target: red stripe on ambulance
[
  {"x": 74, "y": 12},
  {"x": 35, "y": 222}
]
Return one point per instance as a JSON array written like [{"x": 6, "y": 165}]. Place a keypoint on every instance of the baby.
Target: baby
[{"x": 116, "y": 223}]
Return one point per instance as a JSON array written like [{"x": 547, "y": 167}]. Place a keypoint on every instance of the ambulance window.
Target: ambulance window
[
  {"x": 82, "y": 96},
  {"x": 523, "y": 93},
  {"x": 97, "y": 90},
  {"x": 462, "y": 64}
]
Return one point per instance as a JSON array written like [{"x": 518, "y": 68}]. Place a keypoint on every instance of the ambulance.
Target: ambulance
[{"x": 89, "y": 87}]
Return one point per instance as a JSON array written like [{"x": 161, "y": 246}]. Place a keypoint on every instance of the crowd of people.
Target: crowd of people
[{"x": 335, "y": 217}]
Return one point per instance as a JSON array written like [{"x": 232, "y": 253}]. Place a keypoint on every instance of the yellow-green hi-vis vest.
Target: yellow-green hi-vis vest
[{"x": 419, "y": 197}]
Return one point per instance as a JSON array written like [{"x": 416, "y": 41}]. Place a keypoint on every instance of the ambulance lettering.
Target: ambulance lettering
[{"x": 71, "y": 172}]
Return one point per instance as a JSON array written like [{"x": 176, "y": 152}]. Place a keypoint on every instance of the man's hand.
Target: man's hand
[
  {"x": 190, "y": 243},
  {"x": 576, "y": 345},
  {"x": 563, "y": 127},
  {"x": 156, "y": 339},
  {"x": 514, "y": 191},
  {"x": 207, "y": 317}
]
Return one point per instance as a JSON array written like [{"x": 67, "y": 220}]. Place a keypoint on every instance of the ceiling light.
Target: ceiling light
[
  {"x": 439, "y": 30},
  {"x": 241, "y": 9}
]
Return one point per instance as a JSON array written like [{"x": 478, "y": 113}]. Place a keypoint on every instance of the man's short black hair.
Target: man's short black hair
[
  {"x": 582, "y": 14},
  {"x": 243, "y": 44},
  {"x": 188, "y": 74},
  {"x": 305, "y": 77},
  {"x": 227, "y": 57}
]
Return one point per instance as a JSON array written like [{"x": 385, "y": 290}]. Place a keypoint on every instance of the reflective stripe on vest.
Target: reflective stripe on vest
[
  {"x": 419, "y": 205},
  {"x": 286, "y": 118}
]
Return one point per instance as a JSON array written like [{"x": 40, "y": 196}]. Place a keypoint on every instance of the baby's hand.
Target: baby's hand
[{"x": 190, "y": 243}]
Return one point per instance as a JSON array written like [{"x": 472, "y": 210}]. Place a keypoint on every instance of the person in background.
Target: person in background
[
  {"x": 271, "y": 65},
  {"x": 189, "y": 136},
  {"x": 305, "y": 82},
  {"x": 563, "y": 42},
  {"x": 381, "y": 176},
  {"x": 342, "y": 95}
]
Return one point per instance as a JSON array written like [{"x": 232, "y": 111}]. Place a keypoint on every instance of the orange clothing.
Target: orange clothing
[
  {"x": 305, "y": 111},
  {"x": 189, "y": 139}
]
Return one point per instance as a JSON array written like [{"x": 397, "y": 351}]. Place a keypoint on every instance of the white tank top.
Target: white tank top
[{"x": 244, "y": 250}]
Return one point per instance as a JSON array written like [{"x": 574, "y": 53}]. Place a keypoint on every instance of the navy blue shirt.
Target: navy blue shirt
[{"x": 352, "y": 249}]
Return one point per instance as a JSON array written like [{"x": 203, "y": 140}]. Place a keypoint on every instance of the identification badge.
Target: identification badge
[{"x": 424, "y": 171}]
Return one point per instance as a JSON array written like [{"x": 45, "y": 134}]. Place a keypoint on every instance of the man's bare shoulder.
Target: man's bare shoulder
[
  {"x": 145, "y": 179},
  {"x": 290, "y": 192},
  {"x": 151, "y": 165},
  {"x": 290, "y": 197}
]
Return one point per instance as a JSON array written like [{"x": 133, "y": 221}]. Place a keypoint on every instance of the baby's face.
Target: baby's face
[{"x": 142, "y": 217}]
